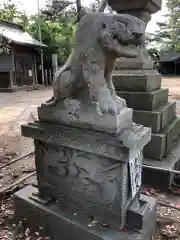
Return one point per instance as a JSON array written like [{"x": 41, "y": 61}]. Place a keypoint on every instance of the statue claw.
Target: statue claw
[{"x": 108, "y": 106}]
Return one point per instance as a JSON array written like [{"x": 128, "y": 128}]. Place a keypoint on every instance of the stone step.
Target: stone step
[
  {"x": 173, "y": 132},
  {"x": 147, "y": 101},
  {"x": 168, "y": 112},
  {"x": 140, "y": 62},
  {"x": 160, "y": 176},
  {"x": 157, "y": 119},
  {"x": 136, "y": 80},
  {"x": 162, "y": 143},
  {"x": 156, "y": 147}
]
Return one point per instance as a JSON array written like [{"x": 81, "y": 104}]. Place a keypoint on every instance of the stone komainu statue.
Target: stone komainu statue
[{"x": 100, "y": 39}]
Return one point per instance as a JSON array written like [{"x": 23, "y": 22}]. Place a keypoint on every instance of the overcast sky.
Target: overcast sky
[{"x": 30, "y": 6}]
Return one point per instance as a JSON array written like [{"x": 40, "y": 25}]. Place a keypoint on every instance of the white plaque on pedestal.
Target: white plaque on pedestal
[{"x": 135, "y": 168}]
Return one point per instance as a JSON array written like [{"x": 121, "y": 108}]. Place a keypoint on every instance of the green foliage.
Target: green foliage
[
  {"x": 168, "y": 34},
  {"x": 57, "y": 22},
  {"x": 10, "y": 12},
  {"x": 167, "y": 37},
  {"x": 154, "y": 53},
  {"x": 58, "y": 10},
  {"x": 160, "y": 38},
  {"x": 57, "y": 36},
  {"x": 174, "y": 23}
]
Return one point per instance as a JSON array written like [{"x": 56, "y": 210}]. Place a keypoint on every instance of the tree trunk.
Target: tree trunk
[{"x": 78, "y": 7}]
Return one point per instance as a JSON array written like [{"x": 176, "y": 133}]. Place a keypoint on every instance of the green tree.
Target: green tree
[
  {"x": 57, "y": 36},
  {"x": 63, "y": 10},
  {"x": 172, "y": 29},
  {"x": 9, "y": 12},
  {"x": 154, "y": 53},
  {"x": 57, "y": 22}
]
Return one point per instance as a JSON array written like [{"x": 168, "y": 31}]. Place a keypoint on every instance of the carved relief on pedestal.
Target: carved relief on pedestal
[{"x": 86, "y": 181}]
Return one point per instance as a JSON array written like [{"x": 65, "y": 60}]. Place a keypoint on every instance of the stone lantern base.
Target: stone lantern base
[{"x": 140, "y": 85}]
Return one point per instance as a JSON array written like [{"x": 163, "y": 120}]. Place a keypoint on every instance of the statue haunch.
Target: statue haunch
[{"x": 100, "y": 39}]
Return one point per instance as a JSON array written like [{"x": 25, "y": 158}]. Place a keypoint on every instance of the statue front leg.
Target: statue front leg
[
  {"x": 121, "y": 103},
  {"x": 98, "y": 89},
  {"x": 111, "y": 87},
  {"x": 107, "y": 74}
]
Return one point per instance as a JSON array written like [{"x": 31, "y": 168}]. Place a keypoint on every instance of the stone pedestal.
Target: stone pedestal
[
  {"x": 87, "y": 178},
  {"x": 140, "y": 85},
  {"x": 46, "y": 218},
  {"x": 88, "y": 152},
  {"x": 79, "y": 113}
]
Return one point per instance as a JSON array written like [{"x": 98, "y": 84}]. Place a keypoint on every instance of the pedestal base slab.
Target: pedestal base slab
[
  {"x": 63, "y": 224},
  {"x": 79, "y": 114}
]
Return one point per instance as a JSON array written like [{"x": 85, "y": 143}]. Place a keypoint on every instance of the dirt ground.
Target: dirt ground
[
  {"x": 19, "y": 108},
  {"x": 173, "y": 83},
  {"x": 16, "y": 109}
]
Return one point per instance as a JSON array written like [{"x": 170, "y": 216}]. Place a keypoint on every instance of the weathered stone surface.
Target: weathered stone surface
[
  {"x": 168, "y": 112},
  {"x": 145, "y": 100},
  {"x": 158, "y": 174},
  {"x": 58, "y": 223},
  {"x": 100, "y": 39},
  {"x": 163, "y": 142},
  {"x": 173, "y": 133},
  {"x": 138, "y": 63},
  {"x": 142, "y": 10},
  {"x": 141, "y": 61},
  {"x": 136, "y": 217},
  {"x": 90, "y": 171},
  {"x": 95, "y": 142},
  {"x": 79, "y": 114},
  {"x": 154, "y": 177},
  {"x": 151, "y": 6},
  {"x": 150, "y": 119},
  {"x": 136, "y": 80},
  {"x": 156, "y": 147},
  {"x": 157, "y": 119},
  {"x": 143, "y": 15},
  {"x": 85, "y": 183}
]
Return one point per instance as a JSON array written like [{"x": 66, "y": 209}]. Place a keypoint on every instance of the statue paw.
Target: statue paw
[
  {"x": 49, "y": 104},
  {"x": 121, "y": 102},
  {"x": 108, "y": 106}
]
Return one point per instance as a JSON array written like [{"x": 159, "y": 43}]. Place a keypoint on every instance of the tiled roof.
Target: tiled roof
[
  {"x": 169, "y": 56},
  {"x": 16, "y": 34}
]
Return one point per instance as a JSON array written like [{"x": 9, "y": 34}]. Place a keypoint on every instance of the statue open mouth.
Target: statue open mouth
[{"x": 127, "y": 49}]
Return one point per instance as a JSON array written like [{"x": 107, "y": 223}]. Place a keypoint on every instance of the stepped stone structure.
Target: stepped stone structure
[
  {"x": 140, "y": 85},
  {"x": 88, "y": 152}
]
